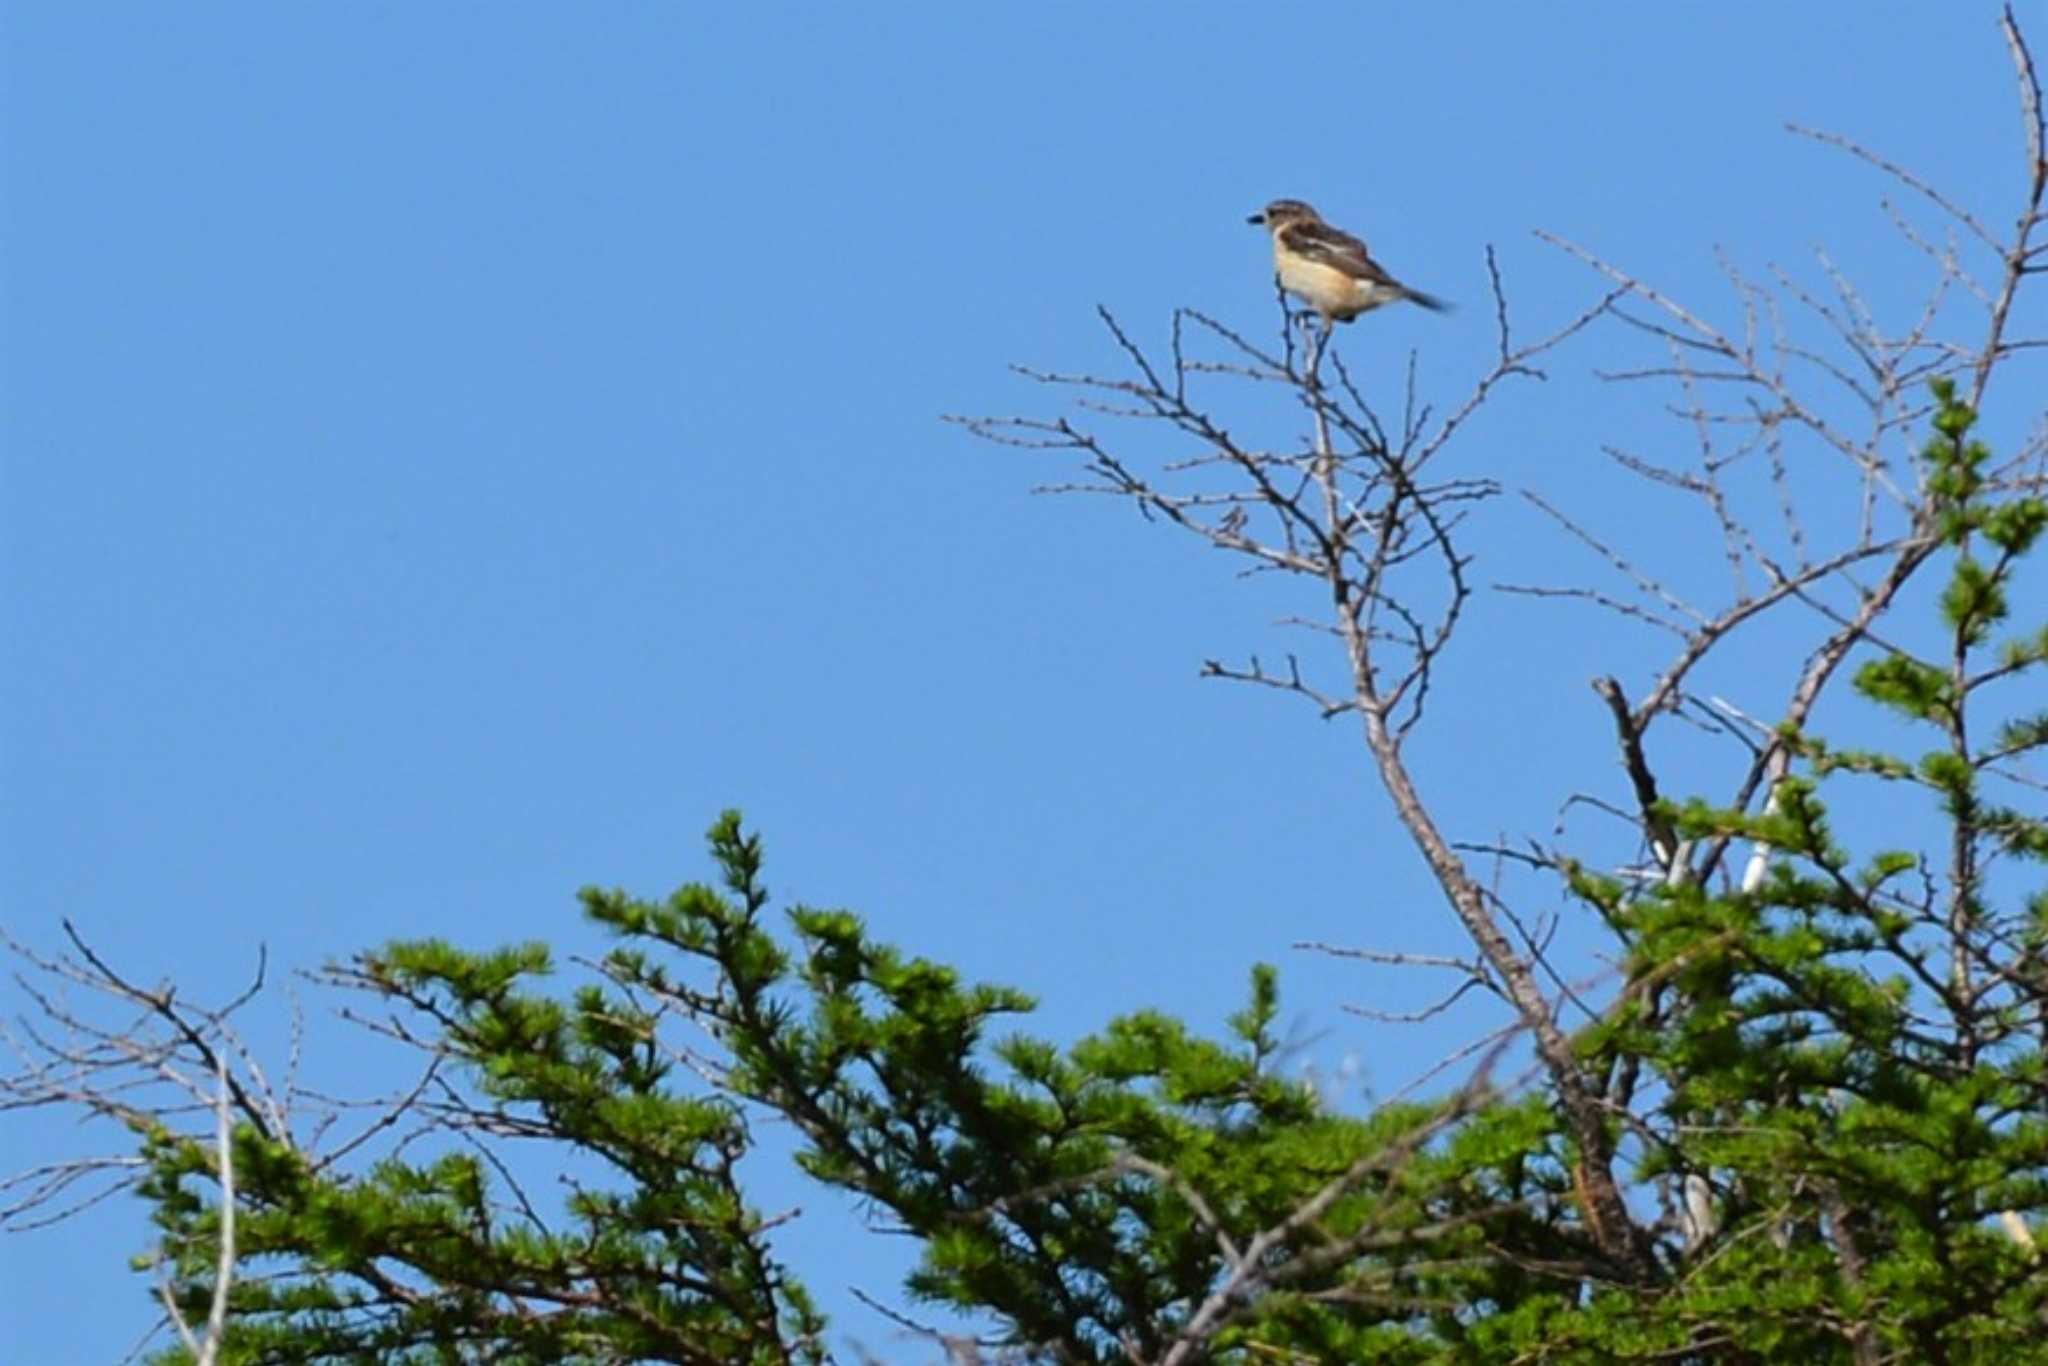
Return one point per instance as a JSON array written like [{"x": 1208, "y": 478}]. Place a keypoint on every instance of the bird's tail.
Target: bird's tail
[{"x": 1428, "y": 301}]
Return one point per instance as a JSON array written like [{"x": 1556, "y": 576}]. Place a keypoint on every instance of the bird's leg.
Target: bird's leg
[{"x": 1320, "y": 341}]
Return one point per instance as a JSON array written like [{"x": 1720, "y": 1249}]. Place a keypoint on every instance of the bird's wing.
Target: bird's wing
[{"x": 1333, "y": 247}]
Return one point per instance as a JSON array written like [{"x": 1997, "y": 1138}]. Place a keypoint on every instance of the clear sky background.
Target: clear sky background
[{"x": 451, "y": 451}]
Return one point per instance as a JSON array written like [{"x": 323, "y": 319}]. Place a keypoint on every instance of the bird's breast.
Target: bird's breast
[{"x": 1327, "y": 289}]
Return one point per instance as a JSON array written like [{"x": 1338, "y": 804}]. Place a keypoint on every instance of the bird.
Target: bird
[{"x": 1328, "y": 267}]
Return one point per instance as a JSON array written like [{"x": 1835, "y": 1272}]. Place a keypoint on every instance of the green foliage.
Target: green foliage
[
  {"x": 1085, "y": 1196},
  {"x": 1078, "y": 1195},
  {"x": 1849, "y": 1054}
]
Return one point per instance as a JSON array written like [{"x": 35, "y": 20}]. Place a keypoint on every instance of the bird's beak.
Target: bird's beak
[{"x": 1259, "y": 218}]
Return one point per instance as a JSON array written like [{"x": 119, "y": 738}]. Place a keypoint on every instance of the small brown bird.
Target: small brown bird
[{"x": 1329, "y": 267}]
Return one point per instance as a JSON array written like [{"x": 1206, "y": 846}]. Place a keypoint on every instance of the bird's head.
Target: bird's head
[{"x": 1281, "y": 212}]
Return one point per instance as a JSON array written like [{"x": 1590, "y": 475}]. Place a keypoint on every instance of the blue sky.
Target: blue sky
[{"x": 452, "y": 451}]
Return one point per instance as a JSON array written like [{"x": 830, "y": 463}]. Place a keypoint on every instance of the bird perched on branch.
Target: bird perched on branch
[{"x": 1328, "y": 267}]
